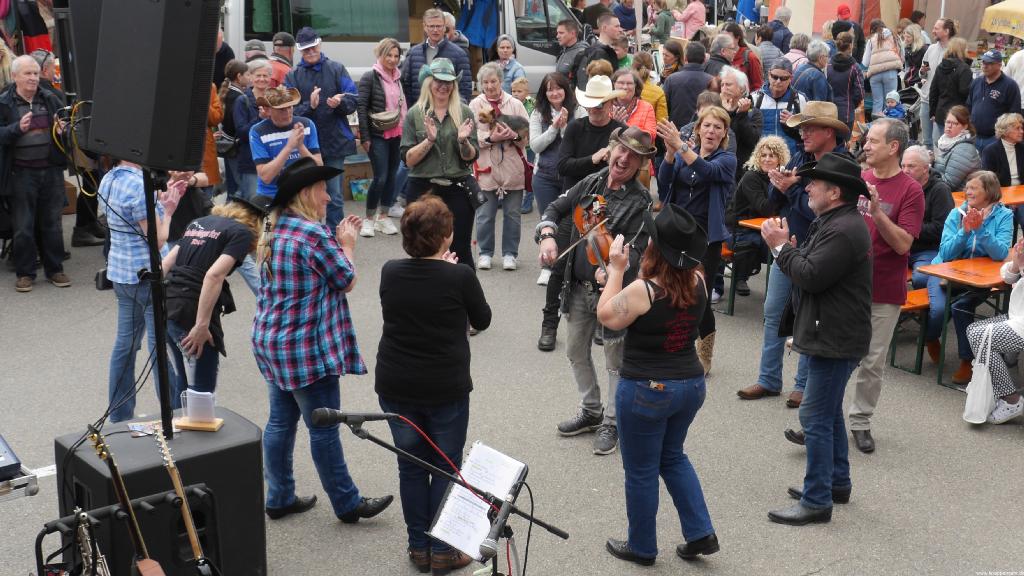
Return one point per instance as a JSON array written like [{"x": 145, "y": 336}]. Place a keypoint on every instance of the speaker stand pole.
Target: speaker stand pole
[{"x": 152, "y": 180}]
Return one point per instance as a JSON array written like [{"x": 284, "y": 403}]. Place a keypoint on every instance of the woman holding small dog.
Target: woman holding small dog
[{"x": 501, "y": 167}]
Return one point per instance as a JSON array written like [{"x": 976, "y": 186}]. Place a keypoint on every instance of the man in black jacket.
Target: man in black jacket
[
  {"x": 32, "y": 174},
  {"x": 683, "y": 87},
  {"x": 831, "y": 325},
  {"x": 938, "y": 202},
  {"x": 609, "y": 31},
  {"x": 626, "y": 202}
]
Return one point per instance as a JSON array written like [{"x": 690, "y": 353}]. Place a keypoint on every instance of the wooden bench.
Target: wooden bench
[{"x": 914, "y": 309}]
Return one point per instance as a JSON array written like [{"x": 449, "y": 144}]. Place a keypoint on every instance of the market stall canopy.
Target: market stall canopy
[{"x": 1005, "y": 18}]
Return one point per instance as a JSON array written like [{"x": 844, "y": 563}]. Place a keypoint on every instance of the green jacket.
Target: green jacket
[{"x": 443, "y": 160}]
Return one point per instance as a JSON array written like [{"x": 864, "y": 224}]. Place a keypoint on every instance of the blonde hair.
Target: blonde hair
[
  {"x": 426, "y": 101},
  {"x": 716, "y": 113},
  {"x": 298, "y": 205},
  {"x": 521, "y": 82},
  {"x": 826, "y": 30},
  {"x": 773, "y": 144},
  {"x": 385, "y": 46},
  {"x": 1006, "y": 121},
  {"x": 915, "y": 31},
  {"x": 244, "y": 215},
  {"x": 957, "y": 48}
]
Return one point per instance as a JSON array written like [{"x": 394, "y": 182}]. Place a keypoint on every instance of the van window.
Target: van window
[
  {"x": 334, "y": 20},
  {"x": 536, "y": 23}
]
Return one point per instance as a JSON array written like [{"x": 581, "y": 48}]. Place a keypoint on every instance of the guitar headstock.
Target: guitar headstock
[
  {"x": 165, "y": 449},
  {"x": 99, "y": 443}
]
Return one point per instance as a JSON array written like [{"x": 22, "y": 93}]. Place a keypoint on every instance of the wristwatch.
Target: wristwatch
[{"x": 684, "y": 147}]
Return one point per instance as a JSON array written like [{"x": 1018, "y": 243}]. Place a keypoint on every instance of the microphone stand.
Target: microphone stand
[
  {"x": 153, "y": 180},
  {"x": 360, "y": 432}
]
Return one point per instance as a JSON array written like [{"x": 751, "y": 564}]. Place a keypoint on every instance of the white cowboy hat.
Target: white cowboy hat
[{"x": 599, "y": 90}]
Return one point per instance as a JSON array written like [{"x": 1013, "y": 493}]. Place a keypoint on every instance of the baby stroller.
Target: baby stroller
[{"x": 911, "y": 98}]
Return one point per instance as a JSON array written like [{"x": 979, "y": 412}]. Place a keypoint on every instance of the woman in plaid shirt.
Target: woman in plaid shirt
[{"x": 304, "y": 341}]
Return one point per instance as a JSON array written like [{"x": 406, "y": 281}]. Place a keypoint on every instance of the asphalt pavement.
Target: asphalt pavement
[{"x": 938, "y": 496}]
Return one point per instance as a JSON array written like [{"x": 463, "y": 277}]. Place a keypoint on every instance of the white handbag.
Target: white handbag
[{"x": 980, "y": 396}]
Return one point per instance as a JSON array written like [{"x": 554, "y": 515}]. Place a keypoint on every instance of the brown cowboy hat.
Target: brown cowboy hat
[
  {"x": 634, "y": 139},
  {"x": 819, "y": 114},
  {"x": 279, "y": 97}
]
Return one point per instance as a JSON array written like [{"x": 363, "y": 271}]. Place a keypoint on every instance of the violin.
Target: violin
[{"x": 590, "y": 217}]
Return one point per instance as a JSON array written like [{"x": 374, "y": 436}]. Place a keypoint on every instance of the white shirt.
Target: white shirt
[{"x": 1011, "y": 157}]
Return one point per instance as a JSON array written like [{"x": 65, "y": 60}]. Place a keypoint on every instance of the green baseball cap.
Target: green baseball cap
[{"x": 441, "y": 69}]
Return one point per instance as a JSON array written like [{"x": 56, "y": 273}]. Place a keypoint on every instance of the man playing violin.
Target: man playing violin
[{"x": 599, "y": 207}]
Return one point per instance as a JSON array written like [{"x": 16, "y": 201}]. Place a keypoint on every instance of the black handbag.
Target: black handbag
[
  {"x": 476, "y": 196},
  {"x": 227, "y": 146}
]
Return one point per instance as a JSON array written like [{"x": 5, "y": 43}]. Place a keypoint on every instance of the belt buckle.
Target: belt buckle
[{"x": 441, "y": 182}]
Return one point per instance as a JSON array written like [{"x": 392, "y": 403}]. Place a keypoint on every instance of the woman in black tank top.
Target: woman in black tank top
[{"x": 662, "y": 382}]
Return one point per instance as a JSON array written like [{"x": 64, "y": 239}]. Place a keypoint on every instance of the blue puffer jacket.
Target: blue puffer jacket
[
  {"x": 993, "y": 239},
  {"x": 417, "y": 57},
  {"x": 336, "y": 138}
]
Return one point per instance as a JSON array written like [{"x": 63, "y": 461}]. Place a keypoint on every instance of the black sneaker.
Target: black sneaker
[
  {"x": 580, "y": 423},
  {"x": 607, "y": 439},
  {"x": 742, "y": 288}
]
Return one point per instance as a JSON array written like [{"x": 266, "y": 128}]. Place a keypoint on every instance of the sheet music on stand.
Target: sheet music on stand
[{"x": 462, "y": 521}]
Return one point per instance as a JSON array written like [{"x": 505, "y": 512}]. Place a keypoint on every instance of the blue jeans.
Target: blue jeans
[
  {"x": 133, "y": 313},
  {"x": 936, "y": 294},
  {"x": 821, "y": 415},
  {"x": 250, "y": 272},
  {"x": 231, "y": 176},
  {"x": 279, "y": 443},
  {"x": 545, "y": 190},
  {"x": 511, "y": 225},
  {"x": 421, "y": 492},
  {"x": 981, "y": 141},
  {"x": 336, "y": 208},
  {"x": 205, "y": 377},
  {"x": 652, "y": 429},
  {"x": 881, "y": 84},
  {"x": 247, "y": 184},
  {"x": 770, "y": 375},
  {"x": 963, "y": 309},
  {"x": 36, "y": 201},
  {"x": 384, "y": 158}
]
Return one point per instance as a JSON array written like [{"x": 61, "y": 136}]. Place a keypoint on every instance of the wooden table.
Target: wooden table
[
  {"x": 980, "y": 273},
  {"x": 1012, "y": 196}
]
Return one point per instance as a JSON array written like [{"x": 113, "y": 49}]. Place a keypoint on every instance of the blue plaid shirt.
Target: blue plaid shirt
[
  {"x": 303, "y": 328},
  {"x": 124, "y": 201}
]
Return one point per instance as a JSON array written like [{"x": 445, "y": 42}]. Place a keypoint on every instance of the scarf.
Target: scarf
[{"x": 946, "y": 142}]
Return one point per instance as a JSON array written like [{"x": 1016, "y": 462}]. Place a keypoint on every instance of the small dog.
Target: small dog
[{"x": 518, "y": 124}]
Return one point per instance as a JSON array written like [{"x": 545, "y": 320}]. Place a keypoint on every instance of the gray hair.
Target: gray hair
[
  {"x": 20, "y": 61},
  {"x": 784, "y": 13},
  {"x": 739, "y": 76},
  {"x": 922, "y": 153},
  {"x": 721, "y": 42},
  {"x": 816, "y": 50},
  {"x": 799, "y": 41},
  {"x": 895, "y": 131},
  {"x": 449, "y": 20},
  {"x": 260, "y": 63},
  {"x": 488, "y": 70},
  {"x": 782, "y": 64}
]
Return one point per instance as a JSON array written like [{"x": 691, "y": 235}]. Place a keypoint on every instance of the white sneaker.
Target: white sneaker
[
  {"x": 385, "y": 225},
  {"x": 545, "y": 275},
  {"x": 508, "y": 262},
  {"x": 366, "y": 230},
  {"x": 715, "y": 296},
  {"x": 483, "y": 262},
  {"x": 396, "y": 210},
  {"x": 1004, "y": 411}
]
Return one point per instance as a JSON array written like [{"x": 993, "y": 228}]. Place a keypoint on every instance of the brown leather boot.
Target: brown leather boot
[
  {"x": 934, "y": 347},
  {"x": 964, "y": 373},
  {"x": 420, "y": 557},
  {"x": 441, "y": 563}
]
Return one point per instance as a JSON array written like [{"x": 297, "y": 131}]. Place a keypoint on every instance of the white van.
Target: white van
[{"x": 351, "y": 28}]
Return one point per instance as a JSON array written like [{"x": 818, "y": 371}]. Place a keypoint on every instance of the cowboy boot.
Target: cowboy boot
[{"x": 705, "y": 350}]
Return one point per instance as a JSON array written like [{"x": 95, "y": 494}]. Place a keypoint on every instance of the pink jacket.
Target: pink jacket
[
  {"x": 693, "y": 17},
  {"x": 499, "y": 164}
]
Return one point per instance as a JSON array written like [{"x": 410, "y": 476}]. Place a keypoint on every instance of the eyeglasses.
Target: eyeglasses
[{"x": 780, "y": 78}]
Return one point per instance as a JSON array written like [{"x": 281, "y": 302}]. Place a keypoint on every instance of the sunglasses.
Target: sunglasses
[{"x": 780, "y": 78}]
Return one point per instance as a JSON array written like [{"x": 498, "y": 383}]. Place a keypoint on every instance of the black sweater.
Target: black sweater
[
  {"x": 938, "y": 202},
  {"x": 750, "y": 199},
  {"x": 950, "y": 87},
  {"x": 423, "y": 356},
  {"x": 580, "y": 141}
]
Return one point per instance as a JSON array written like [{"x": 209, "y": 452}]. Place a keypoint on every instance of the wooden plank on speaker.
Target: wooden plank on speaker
[{"x": 187, "y": 424}]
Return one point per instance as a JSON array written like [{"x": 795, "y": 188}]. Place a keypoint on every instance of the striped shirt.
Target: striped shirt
[
  {"x": 124, "y": 201},
  {"x": 303, "y": 329},
  {"x": 266, "y": 141}
]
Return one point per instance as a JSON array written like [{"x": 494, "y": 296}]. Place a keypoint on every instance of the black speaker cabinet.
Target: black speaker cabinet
[
  {"x": 78, "y": 33},
  {"x": 231, "y": 524},
  {"x": 151, "y": 92}
]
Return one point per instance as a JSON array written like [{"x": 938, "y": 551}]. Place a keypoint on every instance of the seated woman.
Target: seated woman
[
  {"x": 751, "y": 201},
  {"x": 955, "y": 153},
  {"x": 981, "y": 227},
  {"x": 1007, "y": 341},
  {"x": 1005, "y": 157}
]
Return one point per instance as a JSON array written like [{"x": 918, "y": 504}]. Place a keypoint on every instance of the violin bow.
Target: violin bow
[{"x": 583, "y": 237}]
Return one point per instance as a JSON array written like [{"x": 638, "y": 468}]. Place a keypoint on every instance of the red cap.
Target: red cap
[{"x": 843, "y": 11}]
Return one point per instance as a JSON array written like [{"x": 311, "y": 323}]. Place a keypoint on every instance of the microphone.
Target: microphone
[
  {"x": 327, "y": 416},
  {"x": 489, "y": 545}
]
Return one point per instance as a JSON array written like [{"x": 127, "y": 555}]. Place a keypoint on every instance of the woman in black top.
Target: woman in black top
[
  {"x": 198, "y": 292},
  {"x": 662, "y": 382},
  {"x": 423, "y": 366}
]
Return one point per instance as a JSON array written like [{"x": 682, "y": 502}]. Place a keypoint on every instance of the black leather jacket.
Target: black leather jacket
[{"x": 626, "y": 207}]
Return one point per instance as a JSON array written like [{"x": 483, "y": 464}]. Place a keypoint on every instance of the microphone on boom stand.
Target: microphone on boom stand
[
  {"x": 328, "y": 416},
  {"x": 489, "y": 545}
]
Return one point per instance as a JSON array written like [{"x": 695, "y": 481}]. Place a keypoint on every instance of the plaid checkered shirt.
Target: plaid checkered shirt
[
  {"x": 303, "y": 328},
  {"x": 123, "y": 199}
]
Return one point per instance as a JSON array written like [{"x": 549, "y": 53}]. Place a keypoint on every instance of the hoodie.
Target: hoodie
[
  {"x": 847, "y": 83},
  {"x": 950, "y": 85}
]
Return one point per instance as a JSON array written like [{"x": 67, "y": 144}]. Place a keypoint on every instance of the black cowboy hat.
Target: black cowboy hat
[
  {"x": 838, "y": 170},
  {"x": 257, "y": 203},
  {"x": 296, "y": 176},
  {"x": 674, "y": 232}
]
